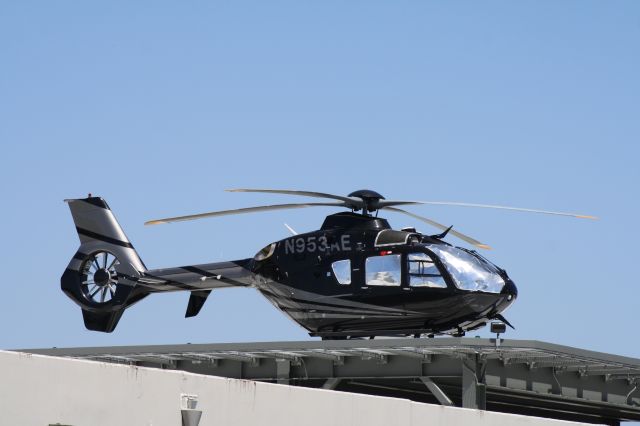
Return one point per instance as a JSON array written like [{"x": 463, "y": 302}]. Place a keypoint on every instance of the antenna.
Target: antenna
[{"x": 293, "y": 231}]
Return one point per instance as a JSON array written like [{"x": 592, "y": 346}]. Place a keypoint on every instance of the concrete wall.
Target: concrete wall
[{"x": 39, "y": 390}]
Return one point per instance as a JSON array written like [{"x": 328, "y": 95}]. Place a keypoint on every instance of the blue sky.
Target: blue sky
[{"x": 160, "y": 106}]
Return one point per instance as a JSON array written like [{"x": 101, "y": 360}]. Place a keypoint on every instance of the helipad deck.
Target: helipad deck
[{"x": 516, "y": 376}]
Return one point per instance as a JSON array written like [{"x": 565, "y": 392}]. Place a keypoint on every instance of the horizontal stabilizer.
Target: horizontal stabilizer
[{"x": 196, "y": 302}]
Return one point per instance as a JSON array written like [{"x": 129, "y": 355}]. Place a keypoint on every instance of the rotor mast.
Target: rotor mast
[{"x": 370, "y": 200}]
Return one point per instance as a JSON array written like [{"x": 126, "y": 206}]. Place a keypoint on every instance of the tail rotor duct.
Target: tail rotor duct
[{"x": 99, "y": 278}]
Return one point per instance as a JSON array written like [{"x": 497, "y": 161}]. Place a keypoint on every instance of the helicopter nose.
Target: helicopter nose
[{"x": 510, "y": 290}]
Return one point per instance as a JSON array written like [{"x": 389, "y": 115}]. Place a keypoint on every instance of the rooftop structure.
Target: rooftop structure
[{"x": 512, "y": 376}]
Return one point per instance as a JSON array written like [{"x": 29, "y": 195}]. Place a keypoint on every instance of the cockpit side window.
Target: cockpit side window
[
  {"x": 423, "y": 272},
  {"x": 342, "y": 271},
  {"x": 383, "y": 270}
]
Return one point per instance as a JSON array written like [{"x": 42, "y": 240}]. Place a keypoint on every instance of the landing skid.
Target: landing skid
[
  {"x": 454, "y": 331},
  {"x": 353, "y": 335}
]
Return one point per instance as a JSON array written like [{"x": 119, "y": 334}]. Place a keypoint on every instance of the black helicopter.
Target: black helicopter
[{"x": 354, "y": 277}]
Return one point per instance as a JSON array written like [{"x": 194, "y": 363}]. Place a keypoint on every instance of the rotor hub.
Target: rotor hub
[
  {"x": 102, "y": 277},
  {"x": 369, "y": 198}
]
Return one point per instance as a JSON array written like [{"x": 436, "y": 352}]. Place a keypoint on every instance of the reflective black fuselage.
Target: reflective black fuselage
[{"x": 300, "y": 276}]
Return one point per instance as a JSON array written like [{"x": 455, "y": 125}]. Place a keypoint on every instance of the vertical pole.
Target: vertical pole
[
  {"x": 468, "y": 387},
  {"x": 474, "y": 393},
  {"x": 283, "y": 370}
]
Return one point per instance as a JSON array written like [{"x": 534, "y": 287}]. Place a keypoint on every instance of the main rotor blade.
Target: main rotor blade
[
  {"x": 241, "y": 211},
  {"x": 491, "y": 206},
  {"x": 442, "y": 227},
  {"x": 390, "y": 203},
  {"x": 348, "y": 200}
]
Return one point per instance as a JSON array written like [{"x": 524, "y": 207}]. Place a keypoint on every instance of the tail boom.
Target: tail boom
[{"x": 207, "y": 276}]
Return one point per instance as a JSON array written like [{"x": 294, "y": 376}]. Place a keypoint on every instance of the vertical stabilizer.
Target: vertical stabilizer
[{"x": 102, "y": 275}]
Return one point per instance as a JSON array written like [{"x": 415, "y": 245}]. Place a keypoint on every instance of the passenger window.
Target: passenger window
[
  {"x": 383, "y": 270},
  {"x": 342, "y": 271},
  {"x": 423, "y": 272}
]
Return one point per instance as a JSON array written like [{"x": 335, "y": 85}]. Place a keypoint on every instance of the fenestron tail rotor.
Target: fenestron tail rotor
[
  {"x": 364, "y": 200},
  {"x": 99, "y": 279}
]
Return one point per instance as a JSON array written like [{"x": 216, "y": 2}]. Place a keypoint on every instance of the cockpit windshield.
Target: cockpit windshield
[{"x": 468, "y": 271}]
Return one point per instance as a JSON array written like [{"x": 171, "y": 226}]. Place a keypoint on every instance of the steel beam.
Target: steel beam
[
  {"x": 413, "y": 353},
  {"x": 442, "y": 397},
  {"x": 332, "y": 383}
]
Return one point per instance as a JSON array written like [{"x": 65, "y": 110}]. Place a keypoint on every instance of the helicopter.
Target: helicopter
[{"x": 355, "y": 277}]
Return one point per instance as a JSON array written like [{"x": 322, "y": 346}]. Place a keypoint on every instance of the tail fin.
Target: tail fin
[{"x": 103, "y": 273}]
